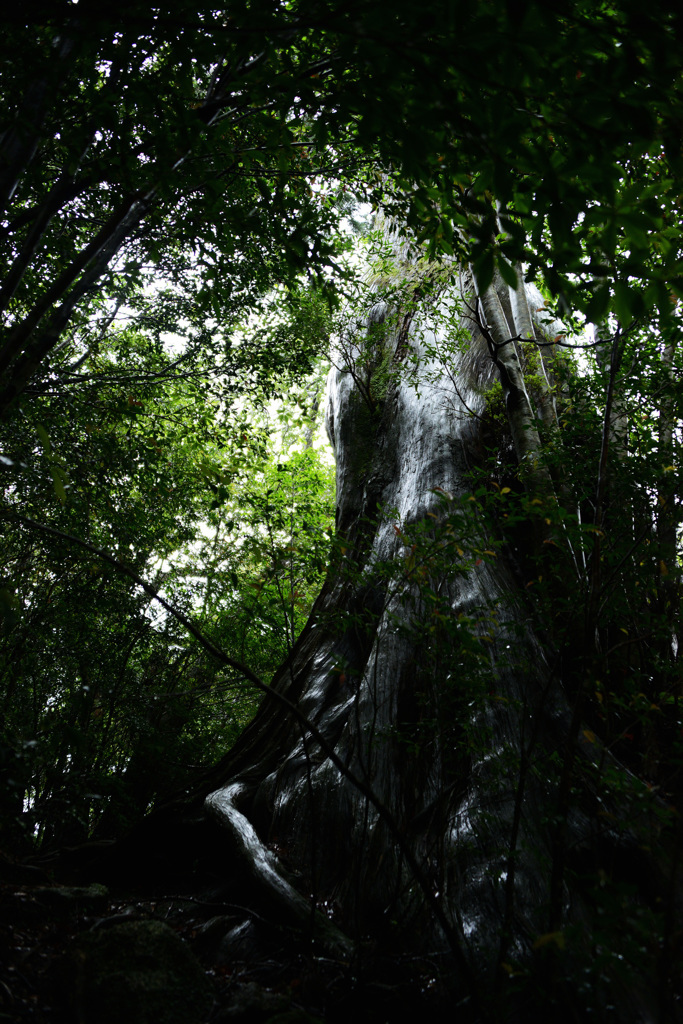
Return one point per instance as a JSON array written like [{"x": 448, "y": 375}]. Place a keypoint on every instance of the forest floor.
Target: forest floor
[{"x": 94, "y": 955}]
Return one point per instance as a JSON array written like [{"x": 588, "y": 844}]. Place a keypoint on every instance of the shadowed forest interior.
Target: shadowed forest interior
[{"x": 340, "y": 567}]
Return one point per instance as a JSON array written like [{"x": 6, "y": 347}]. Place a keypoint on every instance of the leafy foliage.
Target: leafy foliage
[
  {"x": 173, "y": 183},
  {"x": 189, "y": 145},
  {"x": 107, "y": 706}
]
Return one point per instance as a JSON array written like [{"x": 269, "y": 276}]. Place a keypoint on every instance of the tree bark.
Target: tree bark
[{"x": 422, "y": 670}]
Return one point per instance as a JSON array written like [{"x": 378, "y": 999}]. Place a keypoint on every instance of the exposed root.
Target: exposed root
[{"x": 265, "y": 869}]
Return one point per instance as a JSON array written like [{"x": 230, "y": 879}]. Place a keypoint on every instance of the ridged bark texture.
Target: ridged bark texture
[{"x": 420, "y": 668}]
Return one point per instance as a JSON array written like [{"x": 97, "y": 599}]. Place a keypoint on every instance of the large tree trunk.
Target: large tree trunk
[{"x": 452, "y": 807}]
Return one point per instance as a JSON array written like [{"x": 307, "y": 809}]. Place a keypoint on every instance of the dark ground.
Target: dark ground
[{"x": 256, "y": 971}]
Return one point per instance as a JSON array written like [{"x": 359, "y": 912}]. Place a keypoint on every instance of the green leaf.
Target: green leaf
[
  {"x": 44, "y": 439},
  {"x": 624, "y": 302},
  {"x": 58, "y": 478},
  {"x": 507, "y": 272},
  {"x": 483, "y": 270},
  {"x": 597, "y": 306}
]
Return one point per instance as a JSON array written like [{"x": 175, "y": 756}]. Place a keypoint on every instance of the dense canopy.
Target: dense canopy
[{"x": 470, "y": 744}]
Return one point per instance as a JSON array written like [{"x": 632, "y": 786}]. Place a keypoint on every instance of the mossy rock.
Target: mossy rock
[
  {"x": 294, "y": 1016},
  {"x": 138, "y": 972},
  {"x": 51, "y": 903},
  {"x": 64, "y": 899},
  {"x": 252, "y": 1004}
]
